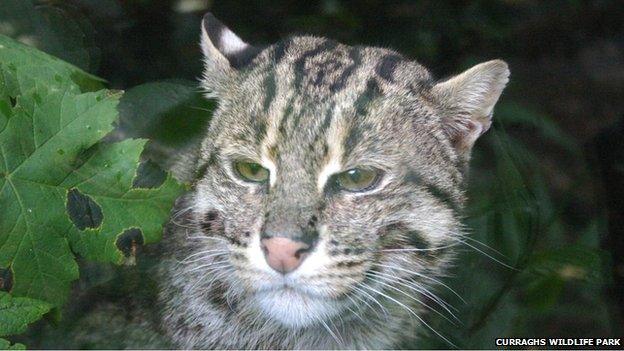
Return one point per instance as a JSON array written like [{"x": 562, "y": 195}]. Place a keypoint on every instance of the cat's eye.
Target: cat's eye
[
  {"x": 358, "y": 179},
  {"x": 251, "y": 171}
]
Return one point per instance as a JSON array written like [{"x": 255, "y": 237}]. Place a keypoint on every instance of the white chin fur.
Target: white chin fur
[{"x": 294, "y": 309}]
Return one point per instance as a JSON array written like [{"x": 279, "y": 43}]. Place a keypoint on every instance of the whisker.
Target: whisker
[
  {"x": 484, "y": 245},
  {"x": 423, "y": 276},
  {"x": 412, "y": 313},
  {"x": 371, "y": 277},
  {"x": 365, "y": 302},
  {"x": 338, "y": 341},
  {"x": 487, "y": 255},
  {"x": 180, "y": 212},
  {"x": 202, "y": 237},
  {"x": 215, "y": 265},
  {"x": 422, "y": 289},
  {"x": 415, "y": 249},
  {"x": 351, "y": 310},
  {"x": 200, "y": 108},
  {"x": 212, "y": 253},
  {"x": 372, "y": 298},
  {"x": 208, "y": 250},
  {"x": 209, "y": 273},
  {"x": 172, "y": 220}
]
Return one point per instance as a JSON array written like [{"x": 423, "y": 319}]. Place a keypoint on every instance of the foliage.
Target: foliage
[
  {"x": 153, "y": 111},
  {"x": 6, "y": 345},
  {"x": 49, "y": 28},
  {"x": 17, "y": 312},
  {"x": 63, "y": 192}
]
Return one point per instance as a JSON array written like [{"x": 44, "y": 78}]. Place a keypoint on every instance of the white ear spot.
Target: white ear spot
[
  {"x": 230, "y": 43},
  {"x": 224, "y": 53}
]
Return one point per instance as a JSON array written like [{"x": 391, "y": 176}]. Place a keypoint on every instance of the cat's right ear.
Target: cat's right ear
[
  {"x": 468, "y": 100},
  {"x": 224, "y": 54}
]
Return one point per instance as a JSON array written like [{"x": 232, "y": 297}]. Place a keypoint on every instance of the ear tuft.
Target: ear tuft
[
  {"x": 468, "y": 101},
  {"x": 224, "y": 53},
  {"x": 234, "y": 49}
]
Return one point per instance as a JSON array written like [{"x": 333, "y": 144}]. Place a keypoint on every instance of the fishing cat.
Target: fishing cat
[{"x": 327, "y": 195}]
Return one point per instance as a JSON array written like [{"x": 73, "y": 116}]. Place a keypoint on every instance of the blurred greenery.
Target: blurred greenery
[{"x": 540, "y": 260}]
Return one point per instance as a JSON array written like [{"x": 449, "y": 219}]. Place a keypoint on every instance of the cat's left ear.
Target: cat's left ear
[
  {"x": 224, "y": 54},
  {"x": 468, "y": 100}
]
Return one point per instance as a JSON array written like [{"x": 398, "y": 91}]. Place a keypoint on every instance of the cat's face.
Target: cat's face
[{"x": 331, "y": 175}]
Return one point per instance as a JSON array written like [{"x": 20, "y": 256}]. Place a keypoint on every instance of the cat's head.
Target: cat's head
[{"x": 331, "y": 175}]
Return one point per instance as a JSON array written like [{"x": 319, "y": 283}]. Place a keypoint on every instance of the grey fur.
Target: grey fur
[{"x": 303, "y": 103}]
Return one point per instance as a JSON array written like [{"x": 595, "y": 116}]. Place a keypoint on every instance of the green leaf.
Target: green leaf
[
  {"x": 38, "y": 68},
  {"x": 173, "y": 115},
  {"x": 170, "y": 111},
  {"x": 131, "y": 216},
  {"x": 6, "y": 345},
  {"x": 17, "y": 312},
  {"x": 58, "y": 188},
  {"x": 43, "y": 132}
]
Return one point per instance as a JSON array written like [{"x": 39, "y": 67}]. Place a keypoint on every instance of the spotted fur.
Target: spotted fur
[{"x": 307, "y": 108}]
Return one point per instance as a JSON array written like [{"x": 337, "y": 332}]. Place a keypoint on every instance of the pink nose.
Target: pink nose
[{"x": 283, "y": 254}]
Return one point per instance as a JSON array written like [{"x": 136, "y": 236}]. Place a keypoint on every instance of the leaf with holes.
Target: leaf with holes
[
  {"x": 17, "y": 312},
  {"x": 112, "y": 209},
  {"x": 59, "y": 188}
]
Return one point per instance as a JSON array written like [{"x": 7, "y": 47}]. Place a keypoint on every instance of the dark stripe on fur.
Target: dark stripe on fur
[
  {"x": 341, "y": 82},
  {"x": 443, "y": 196},
  {"x": 370, "y": 93},
  {"x": 203, "y": 168},
  {"x": 260, "y": 128},
  {"x": 387, "y": 65},
  {"x": 417, "y": 239},
  {"x": 280, "y": 50},
  {"x": 361, "y": 108},
  {"x": 270, "y": 84},
  {"x": 270, "y": 81},
  {"x": 299, "y": 64},
  {"x": 289, "y": 111},
  {"x": 329, "y": 114}
]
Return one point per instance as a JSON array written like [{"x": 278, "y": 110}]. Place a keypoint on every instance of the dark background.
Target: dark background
[{"x": 547, "y": 187}]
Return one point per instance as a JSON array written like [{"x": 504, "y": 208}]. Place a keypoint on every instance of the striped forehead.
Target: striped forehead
[
  {"x": 311, "y": 103},
  {"x": 307, "y": 79},
  {"x": 316, "y": 138},
  {"x": 302, "y": 135}
]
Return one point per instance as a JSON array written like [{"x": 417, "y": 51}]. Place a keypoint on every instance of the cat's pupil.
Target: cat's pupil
[
  {"x": 254, "y": 168},
  {"x": 357, "y": 179},
  {"x": 355, "y": 175}
]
